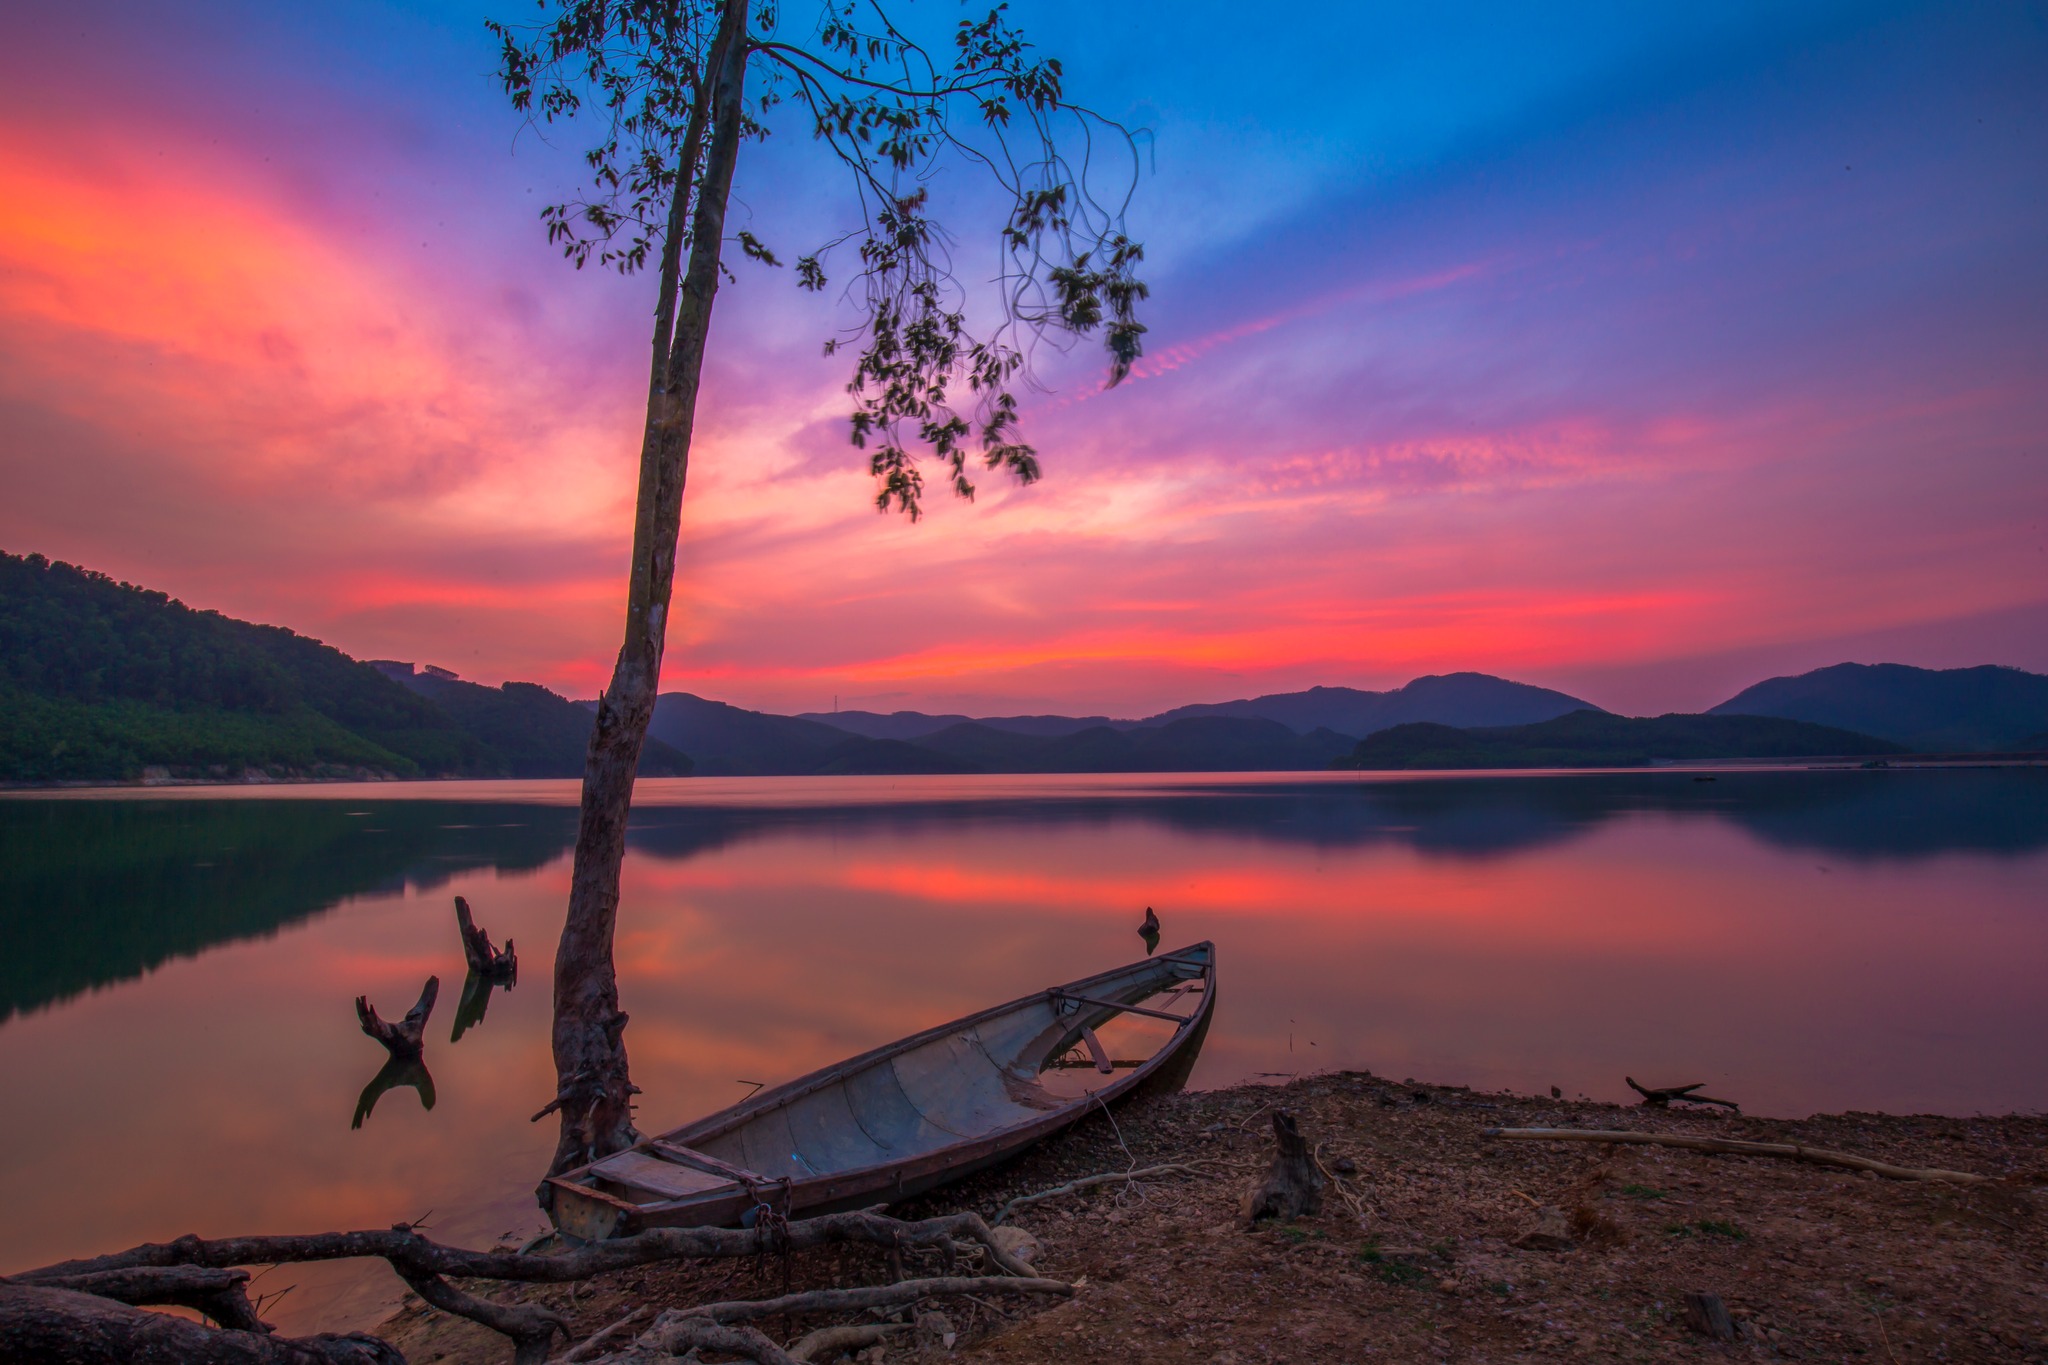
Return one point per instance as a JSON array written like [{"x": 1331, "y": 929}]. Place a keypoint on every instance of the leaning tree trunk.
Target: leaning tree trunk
[{"x": 594, "y": 1094}]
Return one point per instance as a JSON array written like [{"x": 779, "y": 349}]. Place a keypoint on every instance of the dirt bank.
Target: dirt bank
[{"x": 1414, "y": 1257}]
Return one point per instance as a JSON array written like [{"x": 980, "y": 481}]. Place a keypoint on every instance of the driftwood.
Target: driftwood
[
  {"x": 1733, "y": 1147},
  {"x": 38, "y": 1303},
  {"x": 48, "y": 1326},
  {"x": 404, "y": 1038},
  {"x": 500, "y": 966},
  {"x": 1293, "y": 1188},
  {"x": 1090, "y": 1181},
  {"x": 1660, "y": 1097}
]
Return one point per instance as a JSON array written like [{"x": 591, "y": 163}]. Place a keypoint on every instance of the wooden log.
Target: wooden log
[
  {"x": 1293, "y": 1188},
  {"x": 46, "y": 1326},
  {"x": 497, "y": 965},
  {"x": 403, "y": 1039},
  {"x": 1790, "y": 1151}
]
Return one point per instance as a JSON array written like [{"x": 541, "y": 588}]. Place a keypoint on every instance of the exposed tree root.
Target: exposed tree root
[
  {"x": 1293, "y": 1188},
  {"x": 204, "y": 1274},
  {"x": 44, "y": 1326}
]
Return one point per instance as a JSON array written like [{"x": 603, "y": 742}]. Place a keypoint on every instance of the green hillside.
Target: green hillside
[
  {"x": 102, "y": 681},
  {"x": 1593, "y": 739}
]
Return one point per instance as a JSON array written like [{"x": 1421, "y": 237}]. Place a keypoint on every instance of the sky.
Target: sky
[{"x": 1639, "y": 351}]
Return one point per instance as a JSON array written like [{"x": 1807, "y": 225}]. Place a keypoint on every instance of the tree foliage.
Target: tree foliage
[{"x": 928, "y": 378}]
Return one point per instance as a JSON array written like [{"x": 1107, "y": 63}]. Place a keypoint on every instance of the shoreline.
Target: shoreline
[{"x": 1424, "y": 1252}]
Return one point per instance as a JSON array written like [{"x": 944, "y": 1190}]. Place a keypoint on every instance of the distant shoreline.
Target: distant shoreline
[{"x": 955, "y": 786}]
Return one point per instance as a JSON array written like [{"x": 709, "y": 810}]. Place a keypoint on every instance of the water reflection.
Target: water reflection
[
  {"x": 396, "y": 1073},
  {"x": 1797, "y": 941},
  {"x": 477, "y": 990},
  {"x": 95, "y": 892}
]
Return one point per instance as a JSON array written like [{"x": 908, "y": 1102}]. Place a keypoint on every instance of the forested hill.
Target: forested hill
[{"x": 101, "y": 681}]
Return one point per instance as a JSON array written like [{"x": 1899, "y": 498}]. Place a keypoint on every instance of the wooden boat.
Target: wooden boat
[{"x": 911, "y": 1115}]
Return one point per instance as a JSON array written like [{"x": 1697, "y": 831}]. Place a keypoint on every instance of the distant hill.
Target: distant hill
[
  {"x": 1198, "y": 744},
  {"x": 918, "y": 724},
  {"x": 103, "y": 681},
  {"x": 1594, "y": 739},
  {"x": 532, "y": 731},
  {"x": 1462, "y": 700},
  {"x": 730, "y": 741},
  {"x": 1927, "y": 709}
]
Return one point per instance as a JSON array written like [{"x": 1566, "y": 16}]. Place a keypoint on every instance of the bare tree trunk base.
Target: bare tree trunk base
[{"x": 1294, "y": 1186}]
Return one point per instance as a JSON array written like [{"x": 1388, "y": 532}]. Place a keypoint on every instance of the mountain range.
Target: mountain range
[
  {"x": 1928, "y": 710},
  {"x": 105, "y": 681}
]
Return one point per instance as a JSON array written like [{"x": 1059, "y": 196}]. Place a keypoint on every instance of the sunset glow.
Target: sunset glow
[{"x": 1639, "y": 357}]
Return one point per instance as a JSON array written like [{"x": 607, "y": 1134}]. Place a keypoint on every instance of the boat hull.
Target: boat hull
[{"x": 715, "y": 1171}]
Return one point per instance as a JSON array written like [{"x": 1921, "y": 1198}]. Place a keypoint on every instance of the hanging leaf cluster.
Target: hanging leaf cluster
[{"x": 929, "y": 379}]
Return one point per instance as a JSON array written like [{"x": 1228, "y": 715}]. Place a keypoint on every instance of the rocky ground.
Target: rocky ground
[{"x": 1422, "y": 1252}]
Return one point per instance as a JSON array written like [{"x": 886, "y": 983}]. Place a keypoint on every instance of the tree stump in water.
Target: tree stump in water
[
  {"x": 403, "y": 1040},
  {"x": 498, "y": 966},
  {"x": 1294, "y": 1187}
]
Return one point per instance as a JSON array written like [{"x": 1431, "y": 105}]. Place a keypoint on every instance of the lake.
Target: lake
[{"x": 180, "y": 1053}]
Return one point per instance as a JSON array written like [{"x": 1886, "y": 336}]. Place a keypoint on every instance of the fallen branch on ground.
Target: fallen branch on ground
[
  {"x": 1090, "y": 1181},
  {"x": 1734, "y": 1147}
]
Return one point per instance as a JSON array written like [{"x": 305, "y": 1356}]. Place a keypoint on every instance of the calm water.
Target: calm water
[{"x": 179, "y": 1051}]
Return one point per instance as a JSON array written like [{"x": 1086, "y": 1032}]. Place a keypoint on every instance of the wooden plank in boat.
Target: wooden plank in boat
[
  {"x": 702, "y": 1161},
  {"x": 956, "y": 1087},
  {"x": 887, "y": 1115},
  {"x": 641, "y": 1171},
  {"x": 770, "y": 1147},
  {"x": 826, "y": 1136}
]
